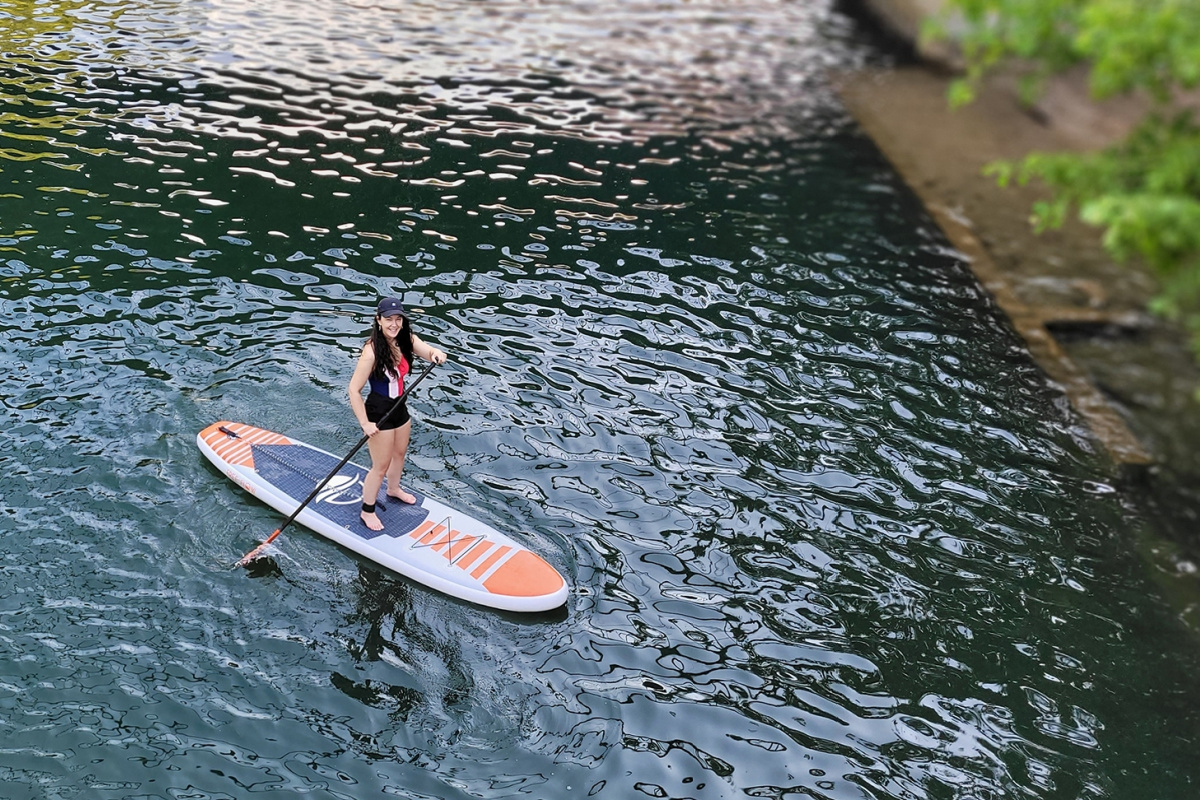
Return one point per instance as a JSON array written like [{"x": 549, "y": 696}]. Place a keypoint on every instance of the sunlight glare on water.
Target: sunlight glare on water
[{"x": 828, "y": 530}]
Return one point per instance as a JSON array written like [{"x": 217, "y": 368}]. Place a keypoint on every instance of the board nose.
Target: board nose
[{"x": 526, "y": 574}]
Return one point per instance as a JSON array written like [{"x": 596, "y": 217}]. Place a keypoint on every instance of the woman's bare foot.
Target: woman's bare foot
[
  {"x": 404, "y": 497},
  {"x": 371, "y": 520}
]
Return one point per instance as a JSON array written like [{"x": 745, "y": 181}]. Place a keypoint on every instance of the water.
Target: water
[{"x": 829, "y": 532}]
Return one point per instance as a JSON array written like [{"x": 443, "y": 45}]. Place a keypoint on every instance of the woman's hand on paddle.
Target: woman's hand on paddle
[
  {"x": 370, "y": 429},
  {"x": 427, "y": 351}
]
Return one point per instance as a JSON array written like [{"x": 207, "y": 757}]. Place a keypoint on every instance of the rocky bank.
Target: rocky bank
[
  {"x": 1128, "y": 375},
  {"x": 1059, "y": 288}
]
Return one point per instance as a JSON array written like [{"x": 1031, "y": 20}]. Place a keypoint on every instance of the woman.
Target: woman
[{"x": 385, "y": 361}]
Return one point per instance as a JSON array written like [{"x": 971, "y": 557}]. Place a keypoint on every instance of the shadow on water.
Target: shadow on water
[{"x": 264, "y": 567}]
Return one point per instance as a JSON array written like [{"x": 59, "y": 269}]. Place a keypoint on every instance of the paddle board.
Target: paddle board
[{"x": 429, "y": 542}]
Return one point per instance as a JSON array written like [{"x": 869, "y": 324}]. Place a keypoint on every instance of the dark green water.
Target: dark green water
[{"x": 829, "y": 531}]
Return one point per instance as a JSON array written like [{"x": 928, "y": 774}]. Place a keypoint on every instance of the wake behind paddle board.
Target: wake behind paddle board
[{"x": 428, "y": 541}]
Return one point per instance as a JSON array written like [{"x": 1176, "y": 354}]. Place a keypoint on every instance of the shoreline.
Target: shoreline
[{"x": 1055, "y": 286}]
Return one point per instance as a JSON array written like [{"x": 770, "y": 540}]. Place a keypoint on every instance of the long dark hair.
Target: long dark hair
[{"x": 385, "y": 354}]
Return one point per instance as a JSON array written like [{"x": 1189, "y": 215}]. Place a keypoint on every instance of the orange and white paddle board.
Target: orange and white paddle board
[{"x": 428, "y": 541}]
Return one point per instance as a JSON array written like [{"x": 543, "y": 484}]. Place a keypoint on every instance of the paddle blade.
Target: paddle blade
[{"x": 256, "y": 552}]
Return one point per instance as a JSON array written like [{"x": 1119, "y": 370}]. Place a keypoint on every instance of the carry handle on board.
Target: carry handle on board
[{"x": 246, "y": 559}]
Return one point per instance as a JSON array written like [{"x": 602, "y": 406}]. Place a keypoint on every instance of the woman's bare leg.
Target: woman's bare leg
[
  {"x": 399, "y": 451},
  {"x": 381, "y": 446}
]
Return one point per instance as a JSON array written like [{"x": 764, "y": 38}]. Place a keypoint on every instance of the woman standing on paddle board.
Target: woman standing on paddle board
[{"x": 385, "y": 361}]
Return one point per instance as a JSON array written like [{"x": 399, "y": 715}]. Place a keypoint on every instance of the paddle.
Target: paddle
[{"x": 246, "y": 559}]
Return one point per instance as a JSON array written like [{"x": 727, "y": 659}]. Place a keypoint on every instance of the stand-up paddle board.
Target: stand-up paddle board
[{"x": 428, "y": 541}]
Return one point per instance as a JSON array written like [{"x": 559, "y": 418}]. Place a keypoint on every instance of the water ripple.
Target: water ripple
[{"x": 829, "y": 530}]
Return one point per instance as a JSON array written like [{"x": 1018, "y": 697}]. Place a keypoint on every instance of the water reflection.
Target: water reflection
[{"x": 831, "y": 532}]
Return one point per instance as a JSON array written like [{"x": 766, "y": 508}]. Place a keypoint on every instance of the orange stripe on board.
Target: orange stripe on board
[
  {"x": 457, "y": 540},
  {"x": 215, "y": 441},
  {"x": 445, "y": 540},
  {"x": 422, "y": 528},
  {"x": 492, "y": 559},
  {"x": 460, "y": 546},
  {"x": 259, "y": 436},
  {"x": 524, "y": 575},
  {"x": 214, "y": 437},
  {"x": 237, "y": 450},
  {"x": 230, "y": 450},
  {"x": 224, "y": 449},
  {"x": 237, "y": 453},
  {"x": 437, "y": 531},
  {"x": 473, "y": 556}
]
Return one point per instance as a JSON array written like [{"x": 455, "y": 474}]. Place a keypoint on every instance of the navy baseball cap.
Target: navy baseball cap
[{"x": 390, "y": 307}]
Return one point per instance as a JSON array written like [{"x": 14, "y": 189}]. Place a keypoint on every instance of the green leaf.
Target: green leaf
[{"x": 1144, "y": 192}]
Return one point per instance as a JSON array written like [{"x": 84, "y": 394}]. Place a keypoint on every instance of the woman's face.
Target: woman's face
[{"x": 391, "y": 325}]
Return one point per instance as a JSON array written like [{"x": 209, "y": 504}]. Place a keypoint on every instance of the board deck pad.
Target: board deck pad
[
  {"x": 296, "y": 469},
  {"x": 427, "y": 541}
]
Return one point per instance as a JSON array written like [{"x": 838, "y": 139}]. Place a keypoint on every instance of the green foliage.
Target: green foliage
[{"x": 1144, "y": 192}]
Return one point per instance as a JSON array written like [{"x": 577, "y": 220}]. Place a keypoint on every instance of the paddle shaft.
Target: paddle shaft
[{"x": 250, "y": 556}]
